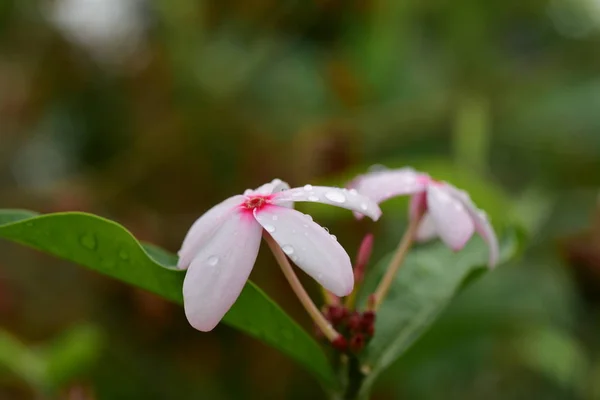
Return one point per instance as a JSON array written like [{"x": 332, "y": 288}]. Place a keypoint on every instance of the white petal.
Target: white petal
[
  {"x": 426, "y": 229},
  {"x": 220, "y": 270},
  {"x": 481, "y": 221},
  {"x": 310, "y": 247},
  {"x": 204, "y": 227},
  {"x": 382, "y": 185},
  {"x": 452, "y": 222},
  {"x": 344, "y": 198},
  {"x": 275, "y": 186}
]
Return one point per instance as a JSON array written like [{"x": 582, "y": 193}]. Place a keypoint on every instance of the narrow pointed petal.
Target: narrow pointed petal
[
  {"x": 204, "y": 227},
  {"x": 310, "y": 247},
  {"x": 383, "y": 185},
  {"x": 426, "y": 229},
  {"x": 452, "y": 222},
  {"x": 344, "y": 198},
  {"x": 481, "y": 221},
  {"x": 220, "y": 270}
]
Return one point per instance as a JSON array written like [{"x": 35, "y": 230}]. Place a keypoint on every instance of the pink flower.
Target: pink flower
[
  {"x": 220, "y": 248},
  {"x": 446, "y": 211}
]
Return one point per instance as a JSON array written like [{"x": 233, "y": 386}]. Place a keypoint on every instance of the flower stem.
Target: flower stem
[
  {"x": 297, "y": 287},
  {"x": 395, "y": 263}
]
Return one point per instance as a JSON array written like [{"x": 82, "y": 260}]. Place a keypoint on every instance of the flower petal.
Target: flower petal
[
  {"x": 426, "y": 230},
  {"x": 382, "y": 185},
  {"x": 203, "y": 228},
  {"x": 349, "y": 199},
  {"x": 452, "y": 222},
  {"x": 310, "y": 247},
  {"x": 220, "y": 270},
  {"x": 481, "y": 221},
  {"x": 276, "y": 185}
]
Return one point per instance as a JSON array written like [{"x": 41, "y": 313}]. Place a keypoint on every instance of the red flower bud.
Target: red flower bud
[
  {"x": 340, "y": 344},
  {"x": 354, "y": 321},
  {"x": 336, "y": 314},
  {"x": 357, "y": 343}
]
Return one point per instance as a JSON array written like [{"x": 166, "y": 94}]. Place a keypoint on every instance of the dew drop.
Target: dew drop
[
  {"x": 88, "y": 241},
  {"x": 336, "y": 197},
  {"x": 287, "y": 249},
  {"x": 309, "y": 218},
  {"x": 123, "y": 255},
  {"x": 334, "y": 237},
  {"x": 308, "y": 188},
  {"x": 364, "y": 206},
  {"x": 213, "y": 260},
  {"x": 276, "y": 181},
  {"x": 269, "y": 228},
  {"x": 326, "y": 229},
  {"x": 313, "y": 198},
  {"x": 294, "y": 258},
  {"x": 247, "y": 192},
  {"x": 353, "y": 191}
]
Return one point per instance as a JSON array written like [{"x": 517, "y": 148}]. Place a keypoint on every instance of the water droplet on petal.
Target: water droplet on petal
[
  {"x": 276, "y": 181},
  {"x": 308, "y": 188},
  {"x": 247, "y": 192},
  {"x": 336, "y": 197},
  {"x": 287, "y": 249},
  {"x": 213, "y": 260},
  {"x": 326, "y": 229},
  {"x": 309, "y": 218},
  {"x": 269, "y": 228},
  {"x": 353, "y": 191},
  {"x": 319, "y": 276},
  {"x": 294, "y": 258},
  {"x": 364, "y": 206},
  {"x": 275, "y": 217},
  {"x": 313, "y": 198},
  {"x": 88, "y": 241},
  {"x": 334, "y": 237}
]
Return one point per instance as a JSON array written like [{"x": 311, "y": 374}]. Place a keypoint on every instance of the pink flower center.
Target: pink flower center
[{"x": 256, "y": 202}]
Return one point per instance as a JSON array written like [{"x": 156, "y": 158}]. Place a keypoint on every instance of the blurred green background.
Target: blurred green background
[{"x": 150, "y": 111}]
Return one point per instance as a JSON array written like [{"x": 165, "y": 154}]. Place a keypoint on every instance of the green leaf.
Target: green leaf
[
  {"x": 21, "y": 360},
  {"x": 426, "y": 283},
  {"x": 108, "y": 248},
  {"x": 72, "y": 354}
]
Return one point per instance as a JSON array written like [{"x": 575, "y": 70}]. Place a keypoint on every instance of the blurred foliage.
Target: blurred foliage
[{"x": 150, "y": 111}]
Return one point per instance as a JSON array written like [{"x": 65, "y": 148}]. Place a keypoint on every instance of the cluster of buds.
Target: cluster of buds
[{"x": 355, "y": 328}]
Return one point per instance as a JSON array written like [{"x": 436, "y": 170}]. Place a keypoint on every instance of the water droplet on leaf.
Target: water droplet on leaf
[
  {"x": 123, "y": 255},
  {"x": 88, "y": 241}
]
